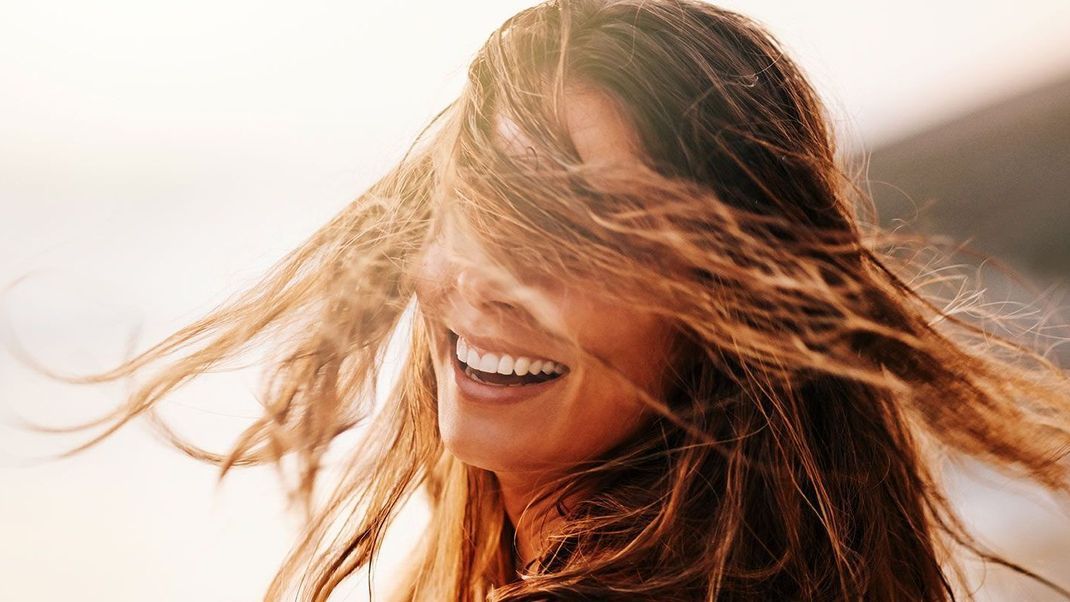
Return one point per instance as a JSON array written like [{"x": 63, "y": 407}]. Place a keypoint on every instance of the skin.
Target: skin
[{"x": 587, "y": 412}]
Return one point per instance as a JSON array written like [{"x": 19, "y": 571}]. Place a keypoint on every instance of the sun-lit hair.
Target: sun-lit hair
[{"x": 822, "y": 370}]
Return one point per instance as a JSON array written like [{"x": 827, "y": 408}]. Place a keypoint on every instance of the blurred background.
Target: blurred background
[{"x": 156, "y": 158}]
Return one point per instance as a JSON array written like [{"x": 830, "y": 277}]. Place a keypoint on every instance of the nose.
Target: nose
[
  {"x": 454, "y": 272},
  {"x": 480, "y": 291}
]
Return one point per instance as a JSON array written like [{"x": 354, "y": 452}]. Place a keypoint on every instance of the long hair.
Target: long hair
[{"x": 822, "y": 373}]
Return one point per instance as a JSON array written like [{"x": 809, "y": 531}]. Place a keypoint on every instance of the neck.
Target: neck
[{"x": 532, "y": 521}]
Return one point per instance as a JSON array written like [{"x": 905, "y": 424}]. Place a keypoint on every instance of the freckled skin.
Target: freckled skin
[{"x": 521, "y": 441}]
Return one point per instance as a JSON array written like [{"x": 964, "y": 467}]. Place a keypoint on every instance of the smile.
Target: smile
[{"x": 510, "y": 379}]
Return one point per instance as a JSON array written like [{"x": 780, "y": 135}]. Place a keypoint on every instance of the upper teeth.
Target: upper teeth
[{"x": 503, "y": 363}]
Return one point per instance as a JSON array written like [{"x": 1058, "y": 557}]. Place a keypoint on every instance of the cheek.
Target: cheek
[
  {"x": 635, "y": 344},
  {"x": 429, "y": 277},
  {"x": 607, "y": 406},
  {"x": 607, "y": 411}
]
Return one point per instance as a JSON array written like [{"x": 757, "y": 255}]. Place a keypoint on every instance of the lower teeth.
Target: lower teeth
[{"x": 471, "y": 374}]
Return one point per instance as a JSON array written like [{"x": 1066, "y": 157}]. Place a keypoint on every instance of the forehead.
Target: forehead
[{"x": 599, "y": 130}]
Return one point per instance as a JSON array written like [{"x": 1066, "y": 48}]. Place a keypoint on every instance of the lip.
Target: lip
[
  {"x": 496, "y": 345},
  {"x": 476, "y": 392}
]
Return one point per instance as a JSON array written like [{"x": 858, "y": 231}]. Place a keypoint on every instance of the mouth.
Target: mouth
[{"x": 512, "y": 379}]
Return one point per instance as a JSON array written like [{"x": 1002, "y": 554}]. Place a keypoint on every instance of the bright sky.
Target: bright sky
[{"x": 155, "y": 157}]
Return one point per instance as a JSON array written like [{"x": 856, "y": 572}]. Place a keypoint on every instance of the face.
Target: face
[{"x": 585, "y": 409}]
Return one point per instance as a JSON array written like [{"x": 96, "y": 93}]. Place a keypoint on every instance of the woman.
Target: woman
[{"x": 654, "y": 354}]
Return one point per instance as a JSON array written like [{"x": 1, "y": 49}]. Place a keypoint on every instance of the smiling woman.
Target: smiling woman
[
  {"x": 654, "y": 354},
  {"x": 509, "y": 400}
]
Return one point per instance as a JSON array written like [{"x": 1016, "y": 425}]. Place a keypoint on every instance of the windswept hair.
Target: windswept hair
[{"x": 823, "y": 374}]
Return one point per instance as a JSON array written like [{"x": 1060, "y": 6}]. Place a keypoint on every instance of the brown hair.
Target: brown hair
[{"x": 795, "y": 457}]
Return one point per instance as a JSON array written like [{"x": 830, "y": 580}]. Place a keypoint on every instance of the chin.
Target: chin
[{"x": 482, "y": 441}]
